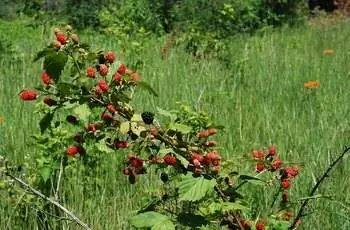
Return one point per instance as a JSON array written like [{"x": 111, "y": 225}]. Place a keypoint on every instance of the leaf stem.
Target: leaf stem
[
  {"x": 316, "y": 186},
  {"x": 55, "y": 203}
]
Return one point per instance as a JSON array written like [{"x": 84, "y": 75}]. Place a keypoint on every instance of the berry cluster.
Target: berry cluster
[
  {"x": 135, "y": 166},
  {"x": 269, "y": 161}
]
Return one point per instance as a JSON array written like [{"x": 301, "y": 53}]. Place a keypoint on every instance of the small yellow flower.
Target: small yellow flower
[
  {"x": 328, "y": 51},
  {"x": 312, "y": 84}
]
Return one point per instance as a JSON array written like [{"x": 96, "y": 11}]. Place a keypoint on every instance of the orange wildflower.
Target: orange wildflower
[
  {"x": 328, "y": 51},
  {"x": 312, "y": 84}
]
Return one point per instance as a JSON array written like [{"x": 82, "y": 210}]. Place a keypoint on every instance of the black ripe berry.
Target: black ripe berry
[
  {"x": 101, "y": 59},
  {"x": 164, "y": 177},
  {"x": 132, "y": 179},
  {"x": 165, "y": 197},
  {"x": 72, "y": 119},
  {"x": 147, "y": 117}
]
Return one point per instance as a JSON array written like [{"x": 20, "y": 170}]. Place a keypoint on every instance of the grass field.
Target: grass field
[{"x": 261, "y": 103}]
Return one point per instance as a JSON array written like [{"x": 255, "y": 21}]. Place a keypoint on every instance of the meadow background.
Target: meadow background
[{"x": 254, "y": 87}]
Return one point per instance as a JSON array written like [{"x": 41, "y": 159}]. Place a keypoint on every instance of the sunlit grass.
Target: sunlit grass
[{"x": 261, "y": 103}]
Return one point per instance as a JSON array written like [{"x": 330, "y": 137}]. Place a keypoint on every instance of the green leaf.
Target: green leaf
[
  {"x": 45, "y": 173},
  {"x": 147, "y": 87},
  {"x": 136, "y": 128},
  {"x": 124, "y": 127},
  {"x": 252, "y": 179},
  {"x": 84, "y": 46},
  {"x": 165, "y": 151},
  {"x": 2, "y": 185},
  {"x": 279, "y": 224},
  {"x": 195, "y": 188},
  {"x": 229, "y": 206},
  {"x": 165, "y": 225},
  {"x": 148, "y": 219},
  {"x": 183, "y": 160},
  {"x": 317, "y": 196},
  {"x": 45, "y": 122},
  {"x": 54, "y": 64},
  {"x": 191, "y": 220},
  {"x": 184, "y": 129},
  {"x": 43, "y": 53},
  {"x": 150, "y": 206},
  {"x": 136, "y": 117},
  {"x": 82, "y": 112},
  {"x": 67, "y": 89},
  {"x": 167, "y": 114},
  {"x": 102, "y": 147}
]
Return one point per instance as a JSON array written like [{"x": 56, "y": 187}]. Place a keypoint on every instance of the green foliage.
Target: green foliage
[
  {"x": 211, "y": 21},
  {"x": 153, "y": 220},
  {"x": 83, "y": 14},
  {"x": 195, "y": 188},
  {"x": 130, "y": 19}
]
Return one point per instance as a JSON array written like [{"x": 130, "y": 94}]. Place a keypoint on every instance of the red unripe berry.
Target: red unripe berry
[
  {"x": 260, "y": 167},
  {"x": 117, "y": 77},
  {"x": 56, "y": 44},
  {"x": 215, "y": 169},
  {"x": 272, "y": 150},
  {"x": 298, "y": 222},
  {"x": 126, "y": 171},
  {"x": 135, "y": 76},
  {"x": 197, "y": 156},
  {"x": 169, "y": 159},
  {"x": 103, "y": 85},
  {"x": 140, "y": 170},
  {"x": 121, "y": 144},
  {"x": 49, "y": 101},
  {"x": 61, "y": 37},
  {"x": 91, "y": 128},
  {"x": 296, "y": 170},
  {"x": 103, "y": 70},
  {"x": 45, "y": 77},
  {"x": 258, "y": 154},
  {"x": 210, "y": 143},
  {"x": 110, "y": 56},
  {"x": 122, "y": 69},
  {"x": 107, "y": 117},
  {"x": 245, "y": 224},
  {"x": 207, "y": 159},
  {"x": 155, "y": 159},
  {"x": 285, "y": 184},
  {"x": 98, "y": 90},
  {"x": 260, "y": 225},
  {"x": 90, "y": 72},
  {"x": 277, "y": 163},
  {"x": 72, "y": 150},
  {"x": 285, "y": 196},
  {"x": 136, "y": 162},
  {"x": 28, "y": 95},
  {"x": 202, "y": 134},
  {"x": 111, "y": 108},
  {"x": 212, "y": 131},
  {"x": 196, "y": 163}
]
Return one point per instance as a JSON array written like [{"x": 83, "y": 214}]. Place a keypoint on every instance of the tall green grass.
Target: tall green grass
[{"x": 260, "y": 103}]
